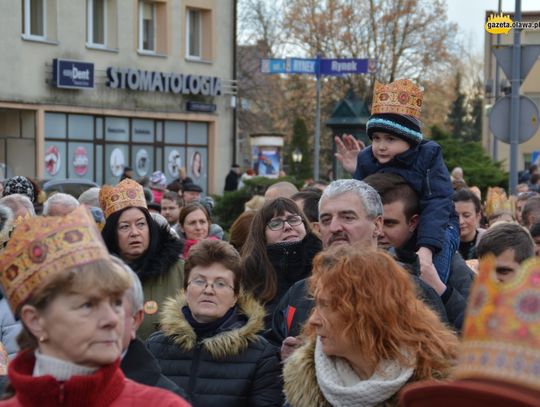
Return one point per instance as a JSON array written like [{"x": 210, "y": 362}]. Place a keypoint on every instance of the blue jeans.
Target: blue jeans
[{"x": 443, "y": 259}]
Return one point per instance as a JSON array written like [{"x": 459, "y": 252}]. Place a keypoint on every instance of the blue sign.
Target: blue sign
[
  {"x": 272, "y": 65},
  {"x": 73, "y": 74},
  {"x": 340, "y": 66},
  {"x": 302, "y": 65}
]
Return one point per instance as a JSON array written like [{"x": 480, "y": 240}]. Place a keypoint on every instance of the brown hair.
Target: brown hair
[
  {"x": 259, "y": 274},
  {"x": 383, "y": 316},
  {"x": 207, "y": 252},
  {"x": 192, "y": 207},
  {"x": 240, "y": 229},
  {"x": 105, "y": 276}
]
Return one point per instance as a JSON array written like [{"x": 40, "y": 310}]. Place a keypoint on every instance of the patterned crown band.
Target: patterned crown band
[
  {"x": 501, "y": 337},
  {"x": 399, "y": 97},
  {"x": 42, "y": 245},
  {"x": 126, "y": 194}
]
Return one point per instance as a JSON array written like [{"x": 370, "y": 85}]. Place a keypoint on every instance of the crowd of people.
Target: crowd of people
[{"x": 400, "y": 286}]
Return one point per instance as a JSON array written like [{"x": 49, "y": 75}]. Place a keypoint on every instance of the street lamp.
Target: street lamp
[{"x": 297, "y": 159}]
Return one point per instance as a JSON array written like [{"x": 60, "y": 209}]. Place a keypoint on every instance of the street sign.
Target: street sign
[
  {"x": 343, "y": 66},
  {"x": 272, "y": 65},
  {"x": 529, "y": 56},
  {"x": 302, "y": 65},
  {"x": 499, "y": 119}
]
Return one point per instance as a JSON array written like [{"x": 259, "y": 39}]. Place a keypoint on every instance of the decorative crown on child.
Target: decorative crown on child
[{"x": 399, "y": 97}]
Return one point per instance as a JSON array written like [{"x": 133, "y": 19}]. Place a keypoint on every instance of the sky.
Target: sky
[{"x": 469, "y": 15}]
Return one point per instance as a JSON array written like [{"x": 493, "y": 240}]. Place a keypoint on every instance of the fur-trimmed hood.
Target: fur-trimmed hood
[
  {"x": 305, "y": 392},
  {"x": 225, "y": 343}
]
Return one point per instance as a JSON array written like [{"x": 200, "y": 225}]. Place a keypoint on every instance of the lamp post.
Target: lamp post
[{"x": 297, "y": 159}]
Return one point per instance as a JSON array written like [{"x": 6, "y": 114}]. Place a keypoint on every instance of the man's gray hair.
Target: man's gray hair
[
  {"x": 135, "y": 292},
  {"x": 367, "y": 195},
  {"x": 90, "y": 197},
  {"x": 15, "y": 201},
  {"x": 59, "y": 199}
]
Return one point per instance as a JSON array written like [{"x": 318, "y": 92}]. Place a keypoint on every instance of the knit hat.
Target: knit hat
[
  {"x": 19, "y": 185},
  {"x": 396, "y": 110}
]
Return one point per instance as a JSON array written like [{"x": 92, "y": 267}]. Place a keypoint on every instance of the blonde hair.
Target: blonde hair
[{"x": 106, "y": 276}]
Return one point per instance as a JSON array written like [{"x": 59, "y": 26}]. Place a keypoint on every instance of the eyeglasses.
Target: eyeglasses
[
  {"x": 277, "y": 223},
  {"x": 218, "y": 285}
]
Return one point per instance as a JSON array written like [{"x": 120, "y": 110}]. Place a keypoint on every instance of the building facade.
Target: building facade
[
  {"x": 89, "y": 87},
  {"x": 530, "y": 150}
]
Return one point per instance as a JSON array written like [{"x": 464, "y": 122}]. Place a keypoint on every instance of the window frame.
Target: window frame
[
  {"x": 188, "y": 34},
  {"x": 141, "y": 28},
  {"x": 90, "y": 24},
  {"x": 27, "y": 21}
]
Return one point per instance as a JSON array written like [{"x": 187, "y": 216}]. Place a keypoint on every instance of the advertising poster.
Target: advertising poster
[{"x": 266, "y": 161}]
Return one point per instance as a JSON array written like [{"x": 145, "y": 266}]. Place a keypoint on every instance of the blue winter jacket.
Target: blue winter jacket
[{"x": 424, "y": 170}]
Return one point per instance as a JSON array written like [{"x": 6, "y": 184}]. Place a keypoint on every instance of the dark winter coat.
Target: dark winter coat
[
  {"x": 424, "y": 170},
  {"x": 292, "y": 262},
  {"x": 231, "y": 181},
  {"x": 234, "y": 367},
  {"x": 139, "y": 365},
  {"x": 295, "y": 307}
]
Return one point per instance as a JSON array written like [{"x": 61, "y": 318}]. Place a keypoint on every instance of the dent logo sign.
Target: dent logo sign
[
  {"x": 73, "y": 74},
  {"x": 499, "y": 24}
]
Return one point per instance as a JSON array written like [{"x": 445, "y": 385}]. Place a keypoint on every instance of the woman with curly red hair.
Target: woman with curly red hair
[{"x": 368, "y": 335}]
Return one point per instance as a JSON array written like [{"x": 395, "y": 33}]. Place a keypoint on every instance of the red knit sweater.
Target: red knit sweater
[{"x": 107, "y": 387}]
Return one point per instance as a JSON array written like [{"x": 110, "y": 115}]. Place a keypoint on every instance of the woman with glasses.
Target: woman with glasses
[
  {"x": 278, "y": 252},
  {"x": 208, "y": 343}
]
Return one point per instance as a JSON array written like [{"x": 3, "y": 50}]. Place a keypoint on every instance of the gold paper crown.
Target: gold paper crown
[
  {"x": 126, "y": 194},
  {"x": 42, "y": 245},
  {"x": 501, "y": 335},
  {"x": 399, "y": 97},
  {"x": 497, "y": 202}
]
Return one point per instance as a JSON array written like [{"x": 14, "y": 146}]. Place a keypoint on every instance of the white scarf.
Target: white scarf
[
  {"x": 60, "y": 369},
  {"x": 342, "y": 387}
]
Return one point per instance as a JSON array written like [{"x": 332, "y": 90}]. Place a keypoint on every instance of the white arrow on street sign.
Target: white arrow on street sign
[{"x": 499, "y": 119}]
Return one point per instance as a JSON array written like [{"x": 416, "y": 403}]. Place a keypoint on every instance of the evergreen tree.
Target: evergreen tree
[
  {"x": 457, "y": 117},
  {"x": 478, "y": 168},
  {"x": 474, "y": 130}
]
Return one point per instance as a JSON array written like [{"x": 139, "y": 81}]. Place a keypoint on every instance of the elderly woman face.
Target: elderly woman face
[
  {"x": 288, "y": 227},
  {"x": 196, "y": 225},
  {"x": 210, "y": 292},
  {"x": 133, "y": 234},
  {"x": 329, "y": 324},
  {"x": 82, "y": 328}
]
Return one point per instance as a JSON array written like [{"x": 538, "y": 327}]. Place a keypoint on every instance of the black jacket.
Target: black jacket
[
  {"x": 231, "y": 181},
  {"x": 234, "y": 367},
  {"x": 139, "y": 365},
  {"x": 295, "y": 307},
  {"x": 292, "y": 262}
]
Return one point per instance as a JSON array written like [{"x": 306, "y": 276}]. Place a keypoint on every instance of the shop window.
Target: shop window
[
  {"x": 152, "y": 27},
  {"x": 39, "y": 20},
  {"x": 97, "y": 22},
  {"x": 198, "y": 34}
]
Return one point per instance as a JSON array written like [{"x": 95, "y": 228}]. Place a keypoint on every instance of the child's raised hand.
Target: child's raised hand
[{"x": 348, "y": 149}]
